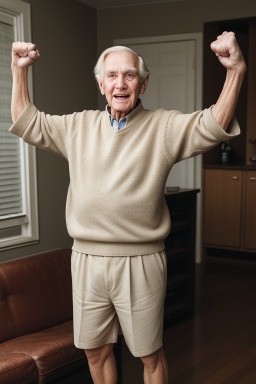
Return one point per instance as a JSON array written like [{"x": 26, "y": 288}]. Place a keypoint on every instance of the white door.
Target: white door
[{"x": 171, "y": 86}]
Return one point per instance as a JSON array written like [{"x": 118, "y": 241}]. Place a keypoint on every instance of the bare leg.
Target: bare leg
[
  {"x": 102, "y": 364},
  {"x": 155, "y": 368}
]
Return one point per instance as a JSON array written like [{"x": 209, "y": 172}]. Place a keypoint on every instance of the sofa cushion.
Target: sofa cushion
[
  {"x": 39, "y": 290},
  {"x": 52, "y": 350},
  {"x": 17, "y": 368}
]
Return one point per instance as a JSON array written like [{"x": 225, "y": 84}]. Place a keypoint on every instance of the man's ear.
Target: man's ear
[
  {"x": 144, "y": 85},
  {"x": 101, "y": 87}
]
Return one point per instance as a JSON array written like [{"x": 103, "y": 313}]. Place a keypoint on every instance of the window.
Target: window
[{"x": 18, "y": 197}]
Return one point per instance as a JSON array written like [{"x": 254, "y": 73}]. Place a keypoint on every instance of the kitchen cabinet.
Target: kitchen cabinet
[
  {"x": 230, "y": 209},
  {"x": 250, "y": 211},
  {"x": 222, "y": 207},
  {"x": 180, "y": 253}
]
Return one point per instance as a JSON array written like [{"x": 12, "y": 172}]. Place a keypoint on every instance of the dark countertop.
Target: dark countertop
[
  {"x": 241, "y": 167},
  {"x": 181, "y": 191}
]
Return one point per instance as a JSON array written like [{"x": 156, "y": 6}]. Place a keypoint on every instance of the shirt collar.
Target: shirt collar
[{"x": 117, "y": 125}]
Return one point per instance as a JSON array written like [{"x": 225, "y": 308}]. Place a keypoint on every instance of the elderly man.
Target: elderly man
[{"x": 118, "y": 259}]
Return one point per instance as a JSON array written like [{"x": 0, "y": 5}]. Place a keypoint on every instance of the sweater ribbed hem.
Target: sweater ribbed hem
[{"x": 117, "y": 249}]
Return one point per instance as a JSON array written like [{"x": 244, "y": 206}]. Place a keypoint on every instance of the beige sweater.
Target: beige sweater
[{"x": 115, "y": 203}]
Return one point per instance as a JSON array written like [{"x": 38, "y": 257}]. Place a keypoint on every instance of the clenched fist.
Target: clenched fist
[
  {"x": 228, "y": 52},
  {"x": 24, "y": 54}
]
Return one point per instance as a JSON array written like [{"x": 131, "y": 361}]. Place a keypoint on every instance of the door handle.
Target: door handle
[
  {"x": 253, "y": 178},
  {"x": 234, "y": 177}
]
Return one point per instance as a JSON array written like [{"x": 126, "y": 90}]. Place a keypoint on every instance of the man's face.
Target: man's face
[{"x": 121, "y": 82}]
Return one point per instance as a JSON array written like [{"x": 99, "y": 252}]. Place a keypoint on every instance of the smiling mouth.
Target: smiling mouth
[{"x": 121, "y": 97}]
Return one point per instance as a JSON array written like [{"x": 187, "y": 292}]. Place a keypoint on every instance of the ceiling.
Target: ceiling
[{"x": 99, "y": 4}]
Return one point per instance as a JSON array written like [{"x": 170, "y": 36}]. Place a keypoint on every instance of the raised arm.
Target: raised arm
[
  {"x": 23, "y": 55},
  {"x": 229, "y": 54}
]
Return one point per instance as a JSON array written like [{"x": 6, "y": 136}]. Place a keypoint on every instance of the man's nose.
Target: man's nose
[{"x": 120, "y": 84}]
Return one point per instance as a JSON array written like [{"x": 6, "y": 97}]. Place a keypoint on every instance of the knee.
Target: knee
[
  {"x": 97, "y": 356},
  {"x": 151, "y": 361}
]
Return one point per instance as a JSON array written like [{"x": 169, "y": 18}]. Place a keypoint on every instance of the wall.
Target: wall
[
  {"x": 65, "y": 32},
  {"x": 165, "y": 19}
]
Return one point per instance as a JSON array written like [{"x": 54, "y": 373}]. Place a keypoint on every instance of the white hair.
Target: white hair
[{"x": 98, "y": 69}]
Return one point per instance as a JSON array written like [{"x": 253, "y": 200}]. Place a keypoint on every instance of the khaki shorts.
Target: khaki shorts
[{"x": 109, "y": 292}]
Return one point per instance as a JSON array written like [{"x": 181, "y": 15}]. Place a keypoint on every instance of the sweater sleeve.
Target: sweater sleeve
[
  {"x": 188, "y": 135},
  {"x": 49, "y": 132}
]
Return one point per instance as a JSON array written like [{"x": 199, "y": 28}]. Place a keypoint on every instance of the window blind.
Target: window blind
[{"x": 10, "y": 169}]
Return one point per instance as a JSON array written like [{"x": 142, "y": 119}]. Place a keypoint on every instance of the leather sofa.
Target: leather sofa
[{"x": 36, "y": 328}]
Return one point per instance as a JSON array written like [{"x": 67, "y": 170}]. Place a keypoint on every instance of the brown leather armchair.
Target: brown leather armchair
[{"x": 36, "y": 328}]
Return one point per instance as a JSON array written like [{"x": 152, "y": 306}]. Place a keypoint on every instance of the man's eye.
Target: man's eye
[
  {"x": 130, "y": 75},
  {"x": 111, "y": 75}
]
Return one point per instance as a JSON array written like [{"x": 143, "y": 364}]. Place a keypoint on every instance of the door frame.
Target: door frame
[{"x": 198, "y": 39}]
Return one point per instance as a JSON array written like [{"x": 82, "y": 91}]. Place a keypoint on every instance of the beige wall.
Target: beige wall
[
  {"x": 65, "y": 33},
  {"x": 166, "y": 19}
]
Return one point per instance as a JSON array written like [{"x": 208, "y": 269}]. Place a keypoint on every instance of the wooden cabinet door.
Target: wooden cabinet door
[
  {"x": 222, "y": 207},
  {"x": 250, "y": 211}
]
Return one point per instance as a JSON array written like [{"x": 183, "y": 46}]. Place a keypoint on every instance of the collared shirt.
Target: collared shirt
[{"x": 117, "y": 125}]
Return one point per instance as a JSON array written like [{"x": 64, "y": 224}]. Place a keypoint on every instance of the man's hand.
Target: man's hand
[
  {"x": 228, "y": 52},
  {"x": 24, "y": 54}
]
